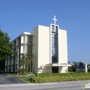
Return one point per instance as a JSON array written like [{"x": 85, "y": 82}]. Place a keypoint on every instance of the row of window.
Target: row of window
[
  {"x": 26, "y": 39},
  {"x": 11, "y": 68}
]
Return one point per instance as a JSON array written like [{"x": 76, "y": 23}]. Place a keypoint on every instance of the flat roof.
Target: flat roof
[{"x": 27, "y": 33}]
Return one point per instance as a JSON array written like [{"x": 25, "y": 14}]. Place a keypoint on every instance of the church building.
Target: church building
[{"x": 47, "y": 44}]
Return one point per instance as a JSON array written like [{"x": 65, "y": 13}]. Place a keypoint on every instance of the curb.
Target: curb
[
  {"x": 64, "y": 82},
  {"x": 39, "y": 84},
  {"x": 15, "y": 76}
]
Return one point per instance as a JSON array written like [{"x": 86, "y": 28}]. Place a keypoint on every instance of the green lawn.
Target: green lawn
[
  {"x": 56, "y": 77},
  {"x": 26, "y": 78}
]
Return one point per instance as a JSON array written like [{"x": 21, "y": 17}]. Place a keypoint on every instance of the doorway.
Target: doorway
[
  {"x": 55, "y": 69},
  {"x": 2, "y": 65}
]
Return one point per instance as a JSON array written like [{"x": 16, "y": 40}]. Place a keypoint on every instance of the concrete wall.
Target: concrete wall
[
  {"x": 22, "y": 38},
  {"x": 35, "y": 50},
  {"x": 63, "y": 69},
  {"x": 63, "y": 54},
  {"x": 43, "y": 47},
  {"x": 45, "y": 69}
]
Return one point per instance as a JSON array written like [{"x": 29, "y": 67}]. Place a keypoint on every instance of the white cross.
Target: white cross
[{"x": 54, "y": 19}]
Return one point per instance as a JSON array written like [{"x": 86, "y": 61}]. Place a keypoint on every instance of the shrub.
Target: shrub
[
  {"x": 23, "y": 71},
  {"x": 53, "y": 74},
  {"x": 59, "y": 77}
]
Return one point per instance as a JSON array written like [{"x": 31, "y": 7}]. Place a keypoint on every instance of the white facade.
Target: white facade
[
  {"x": 21, "y": 44},
  {"x": 42, "y": 50},
  {"x": 40, "y": 44}
]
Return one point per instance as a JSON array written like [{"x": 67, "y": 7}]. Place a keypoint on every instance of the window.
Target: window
[{"x": 54, "y": 43}]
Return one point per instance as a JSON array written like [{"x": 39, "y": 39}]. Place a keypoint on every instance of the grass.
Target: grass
[
  {"x": 25, "y": 78},
  {"x": 56, "y": 77}
]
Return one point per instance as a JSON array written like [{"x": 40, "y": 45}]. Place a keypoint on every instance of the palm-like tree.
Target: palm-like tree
[
  {"x": 24, "y": 61},
  {"x": 30, "y": 60},
  {"x": 74, "y": 66}
]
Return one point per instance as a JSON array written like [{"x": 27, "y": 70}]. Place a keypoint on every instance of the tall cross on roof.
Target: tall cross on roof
[{"x": 54, "y": 19}]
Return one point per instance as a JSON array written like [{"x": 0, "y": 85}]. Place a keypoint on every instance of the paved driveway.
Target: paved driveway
[{"x": 9, "y": 80}]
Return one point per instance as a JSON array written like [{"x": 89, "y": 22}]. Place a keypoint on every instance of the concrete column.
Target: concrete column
[
  {"x": 59, "y": 69},
  {"x": 25, "y": 44},
  {"x": 50, "y": 69},
  {"x": 50, "y": 45},
  {"x": 86, "y": 68},
  {"x": 67, "y": 68},
  {"x": 18, "y": 59}
]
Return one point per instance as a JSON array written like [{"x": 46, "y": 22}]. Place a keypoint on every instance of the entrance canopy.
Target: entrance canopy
[{"x": 58, "y": 64}]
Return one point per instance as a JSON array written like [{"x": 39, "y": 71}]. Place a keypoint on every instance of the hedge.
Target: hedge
[{"x": 46, "y": 77}]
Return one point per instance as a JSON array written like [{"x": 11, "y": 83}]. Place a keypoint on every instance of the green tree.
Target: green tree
[
  {"x": 74, "y": 66},
  {"x": 30, "y": 56},
  {"x": 5, "y": 46},
  {"x": 24, "y": 61}
]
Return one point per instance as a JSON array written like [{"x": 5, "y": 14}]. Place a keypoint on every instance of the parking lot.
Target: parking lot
[{"x": 9, "y": 80}]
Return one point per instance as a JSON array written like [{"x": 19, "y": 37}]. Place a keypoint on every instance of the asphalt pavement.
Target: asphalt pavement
[
  {"x": 9, "y": 80},
  {"x": 72, "y": 85},
  {"x": 8, "y": 83}
]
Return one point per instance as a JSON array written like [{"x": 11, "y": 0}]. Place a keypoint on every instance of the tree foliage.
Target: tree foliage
[
  {"x": 5, "y": 46},
  {"x": 24, "y": 61},
  {"x": 74, "y": 67}
]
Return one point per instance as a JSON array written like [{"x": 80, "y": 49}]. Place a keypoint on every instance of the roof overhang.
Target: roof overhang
[
  {"x": 83, "y": 62},
  {"x": 58, "y": 64}
]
